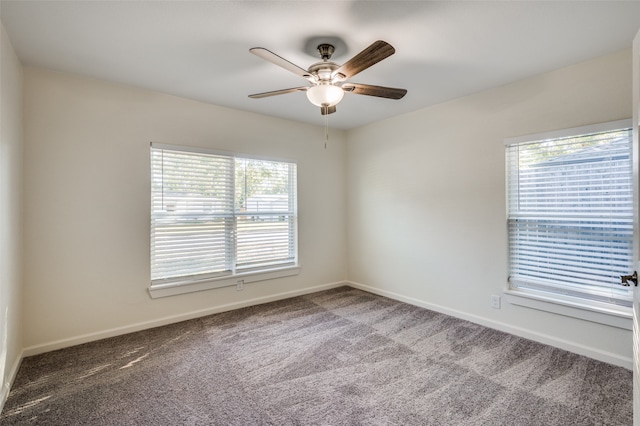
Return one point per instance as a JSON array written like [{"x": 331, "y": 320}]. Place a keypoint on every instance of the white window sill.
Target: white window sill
[
  {"x": 615, "y": 316},
  {"x": 175, "y": 288}
]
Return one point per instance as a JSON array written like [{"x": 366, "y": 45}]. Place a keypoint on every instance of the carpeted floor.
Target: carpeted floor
[{"x": 338, "y": 357}]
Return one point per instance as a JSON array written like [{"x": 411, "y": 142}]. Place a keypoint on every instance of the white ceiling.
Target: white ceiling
[{"x": 200, "y": 49}]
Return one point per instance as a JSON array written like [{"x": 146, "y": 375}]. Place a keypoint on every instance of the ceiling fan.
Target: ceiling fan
[{"x": 328, "y": 79}]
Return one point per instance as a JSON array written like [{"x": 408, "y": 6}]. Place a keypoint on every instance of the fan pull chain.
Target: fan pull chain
[{"x": 326, "y": 130}]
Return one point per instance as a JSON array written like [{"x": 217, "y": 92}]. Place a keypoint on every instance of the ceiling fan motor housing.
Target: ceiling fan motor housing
[{"x": 323, "y": 71}]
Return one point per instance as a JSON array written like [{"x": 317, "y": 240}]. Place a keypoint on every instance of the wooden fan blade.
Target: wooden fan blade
[
  {"x": 370, "y": 90},
  {"x": 278, "y": 92},
  {"x": 373, "y": 54},
  {"x": 327, "y": 110},
  {"x": 281, "y": 62}
]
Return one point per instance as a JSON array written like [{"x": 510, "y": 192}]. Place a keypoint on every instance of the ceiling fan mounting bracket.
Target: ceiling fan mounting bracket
[
  {"x": 326, "y": 50},
  {"x": 310, "y": 46}
]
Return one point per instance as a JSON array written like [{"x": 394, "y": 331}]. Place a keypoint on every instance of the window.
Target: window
[
  {"x": 215, "y": 215},
  {"x": 570, "y": 213}
]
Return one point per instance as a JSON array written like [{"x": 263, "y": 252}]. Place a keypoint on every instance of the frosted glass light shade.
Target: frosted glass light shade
[{"x": 325, "y": 95}]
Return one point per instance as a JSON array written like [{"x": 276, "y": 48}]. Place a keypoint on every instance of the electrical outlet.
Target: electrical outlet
[
  {"x": 240, "y": 285},
  {"x": 495, "y": 301}
]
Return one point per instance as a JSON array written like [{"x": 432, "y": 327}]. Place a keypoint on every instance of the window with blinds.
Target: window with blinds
[
  {"x": 570, "y": 213},
  {"x": 215, "y": 215}
]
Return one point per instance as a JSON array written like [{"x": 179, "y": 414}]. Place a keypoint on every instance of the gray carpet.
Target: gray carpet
[{"x": 338, "y": 357}]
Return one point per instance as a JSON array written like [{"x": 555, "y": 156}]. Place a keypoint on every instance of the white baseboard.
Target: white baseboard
[
  {"x": 587, "y": 351},
  {"x": 4, "y": 391},
  {"x": 90, "y": 337}
]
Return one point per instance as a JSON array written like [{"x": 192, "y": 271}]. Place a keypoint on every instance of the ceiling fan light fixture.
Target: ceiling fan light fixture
[{"x": 325, "y": 95}]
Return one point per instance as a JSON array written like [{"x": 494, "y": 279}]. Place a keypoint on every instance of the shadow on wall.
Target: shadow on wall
[{"x": 3, "y": 352}]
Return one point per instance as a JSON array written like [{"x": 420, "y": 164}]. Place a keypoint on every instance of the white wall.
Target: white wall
[
  {"x": 10, "y": 213},
  {"x": 87, "y": 194},
  {"x": 426, "y": 198}
]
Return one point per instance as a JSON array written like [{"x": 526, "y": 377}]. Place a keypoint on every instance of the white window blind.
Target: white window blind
[
  {"x": 570, "y": 215},
  {"x": 265, "y": 213},
  {"x": 214, "y": 215}
]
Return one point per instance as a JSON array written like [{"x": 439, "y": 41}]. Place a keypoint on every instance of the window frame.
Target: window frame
[
  {"x": 163, "y": 287},
  {"x": 573, "y": 306}
]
